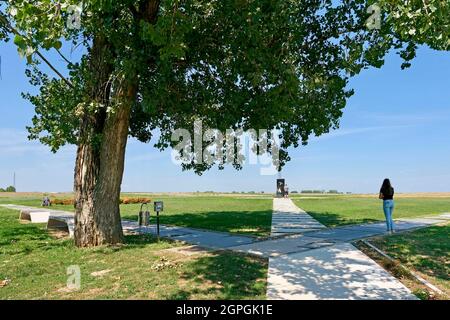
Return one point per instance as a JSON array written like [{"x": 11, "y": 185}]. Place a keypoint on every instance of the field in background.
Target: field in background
[
  {"x": 342, "y": 210},
  {"x": 250, "y": 215},
  {"x": 36, "y": 262}
]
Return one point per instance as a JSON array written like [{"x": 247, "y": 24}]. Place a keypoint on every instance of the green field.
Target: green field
[
  {"x": 237, "y": 214},
  {"x": 36, "y": 264},
  {"x": 342, "y": 210},
  {"x": 35, "y": 261}
]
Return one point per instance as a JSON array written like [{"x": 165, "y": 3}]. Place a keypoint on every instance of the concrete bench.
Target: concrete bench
[
  {"x": 62, "y": 222},
  {"x": 34, "y": 215}
]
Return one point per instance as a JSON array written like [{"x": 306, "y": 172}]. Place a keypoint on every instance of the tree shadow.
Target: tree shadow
[
  {"x": 225, "y": 275},
  {"x": 339, "y": 272},
  {"x": 25, "y": 238},
  {"x": 426, "y": 250},
  {"x": 256, "y": 223},
  {"x": 331, "y": 219}
]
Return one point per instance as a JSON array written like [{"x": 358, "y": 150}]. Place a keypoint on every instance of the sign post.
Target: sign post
[{"x": 158, "y": 207}]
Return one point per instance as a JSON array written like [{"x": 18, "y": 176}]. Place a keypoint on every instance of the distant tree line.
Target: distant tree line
[
  {"x": 321, "y": 191},
  {"x": 8, "y": 189}
]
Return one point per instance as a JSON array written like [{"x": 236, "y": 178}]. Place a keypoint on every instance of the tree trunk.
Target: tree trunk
[
  {"x": 98, "y": 177},
  {"x": 103, "y": 138}
]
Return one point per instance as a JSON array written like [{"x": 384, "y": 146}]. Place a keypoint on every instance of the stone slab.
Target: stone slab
[
  {"x": 425, "y": 221},
  {"x": 342, "y": 234},
  {"x": 214, "y": 240},
  {"x": 208, "y": 239},
  {"x": 276, "y": 247},
  {"x": 287, "y": 218},
  {"x": 334, "y": 272}
]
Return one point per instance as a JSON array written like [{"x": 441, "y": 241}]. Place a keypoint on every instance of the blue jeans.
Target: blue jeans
[{"x": 388, "y": 207}]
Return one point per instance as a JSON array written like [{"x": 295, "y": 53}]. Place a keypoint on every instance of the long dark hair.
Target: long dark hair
[{"x": 386, "y": 187}]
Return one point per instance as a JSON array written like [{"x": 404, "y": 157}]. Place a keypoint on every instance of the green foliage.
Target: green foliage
[
  {"x": 8, "y": 189},
  {"x": 417, "y": 22},
  {"x": 420, "y": 21},
  {"x": 259, "y": 64}
]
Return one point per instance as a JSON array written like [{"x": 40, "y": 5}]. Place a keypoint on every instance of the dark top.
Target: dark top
[{"x": 388, "y": 194}]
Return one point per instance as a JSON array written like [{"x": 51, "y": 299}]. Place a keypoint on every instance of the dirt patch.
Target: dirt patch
[
  {"x": 163, "y": 263},
  {"x": 186, "y": 250},
  {"x": 58, "y": 233}
]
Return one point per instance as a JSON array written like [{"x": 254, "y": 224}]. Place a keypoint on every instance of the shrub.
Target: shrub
[{"x": 122, "y": 201}]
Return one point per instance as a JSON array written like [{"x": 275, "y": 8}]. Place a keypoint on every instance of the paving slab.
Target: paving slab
[
  {"x": 287, "y": 218},
  {"x": 164, "y": 231},
  {"x": 406, "y": 225},
  {"x": 207, "y": 239},
  {"x": 334, "y": 272},
  {"x": 425, "y": 221},
  {"x": 378, "y": 227},
  {"x": 215, "y": 240},
  {"x": 340, "y": 234},
  {"x": 276, "y": 232},
  {"x": 276, "y": 247}
]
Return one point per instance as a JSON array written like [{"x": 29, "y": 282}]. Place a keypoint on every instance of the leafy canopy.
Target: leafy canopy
[{"x": 260, "y": 64}]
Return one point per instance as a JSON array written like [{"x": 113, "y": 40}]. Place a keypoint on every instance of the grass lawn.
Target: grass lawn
[
  {"x": 36, "y": 263},
  {"x": 238, "y": 214},
  {"x": 343, "y": 210},
  {"x": 251, "y": 216},
  {"x": 425, "y": 251}
]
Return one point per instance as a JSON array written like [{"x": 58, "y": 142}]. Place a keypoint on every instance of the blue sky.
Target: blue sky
[{"x": 396, "y": 125}]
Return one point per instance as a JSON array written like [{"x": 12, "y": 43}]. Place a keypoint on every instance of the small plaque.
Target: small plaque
[{"x": 159, "y": 206}]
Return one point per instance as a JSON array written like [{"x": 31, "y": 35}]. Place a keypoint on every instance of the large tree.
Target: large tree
[{"x": 163, "y": 64}]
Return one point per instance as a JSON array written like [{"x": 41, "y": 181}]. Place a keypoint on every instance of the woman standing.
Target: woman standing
[{"x": 387, "y": 195}]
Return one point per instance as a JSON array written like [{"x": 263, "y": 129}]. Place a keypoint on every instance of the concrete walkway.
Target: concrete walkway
[
  {"x": 287, "y": 219},
  {"x": 337, "y": 272},
  {"x": 203, "y": 238},
  {"x": 322, "y": 264}
]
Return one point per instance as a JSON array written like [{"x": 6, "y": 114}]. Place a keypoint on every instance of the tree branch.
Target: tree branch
[
  {"x": 12, "y": 30},
  {"x": 62, "y": 56}
]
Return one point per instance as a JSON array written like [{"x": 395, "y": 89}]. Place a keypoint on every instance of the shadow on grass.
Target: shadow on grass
[
  {"x": 333, "y": 220},
  {"x": 427, "y": 250},
  {"x": 25, "y": 238},
  {"x": 225, "y": 275},
  {"x": 245, "y": 222}
]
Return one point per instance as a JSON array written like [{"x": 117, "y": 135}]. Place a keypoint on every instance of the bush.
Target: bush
[
  {"x": 121, "y": 201},
  {"x": 10, "y": 189},
  {"x": 63, "y": 201},
  {"x": 135, "y": 200}
]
